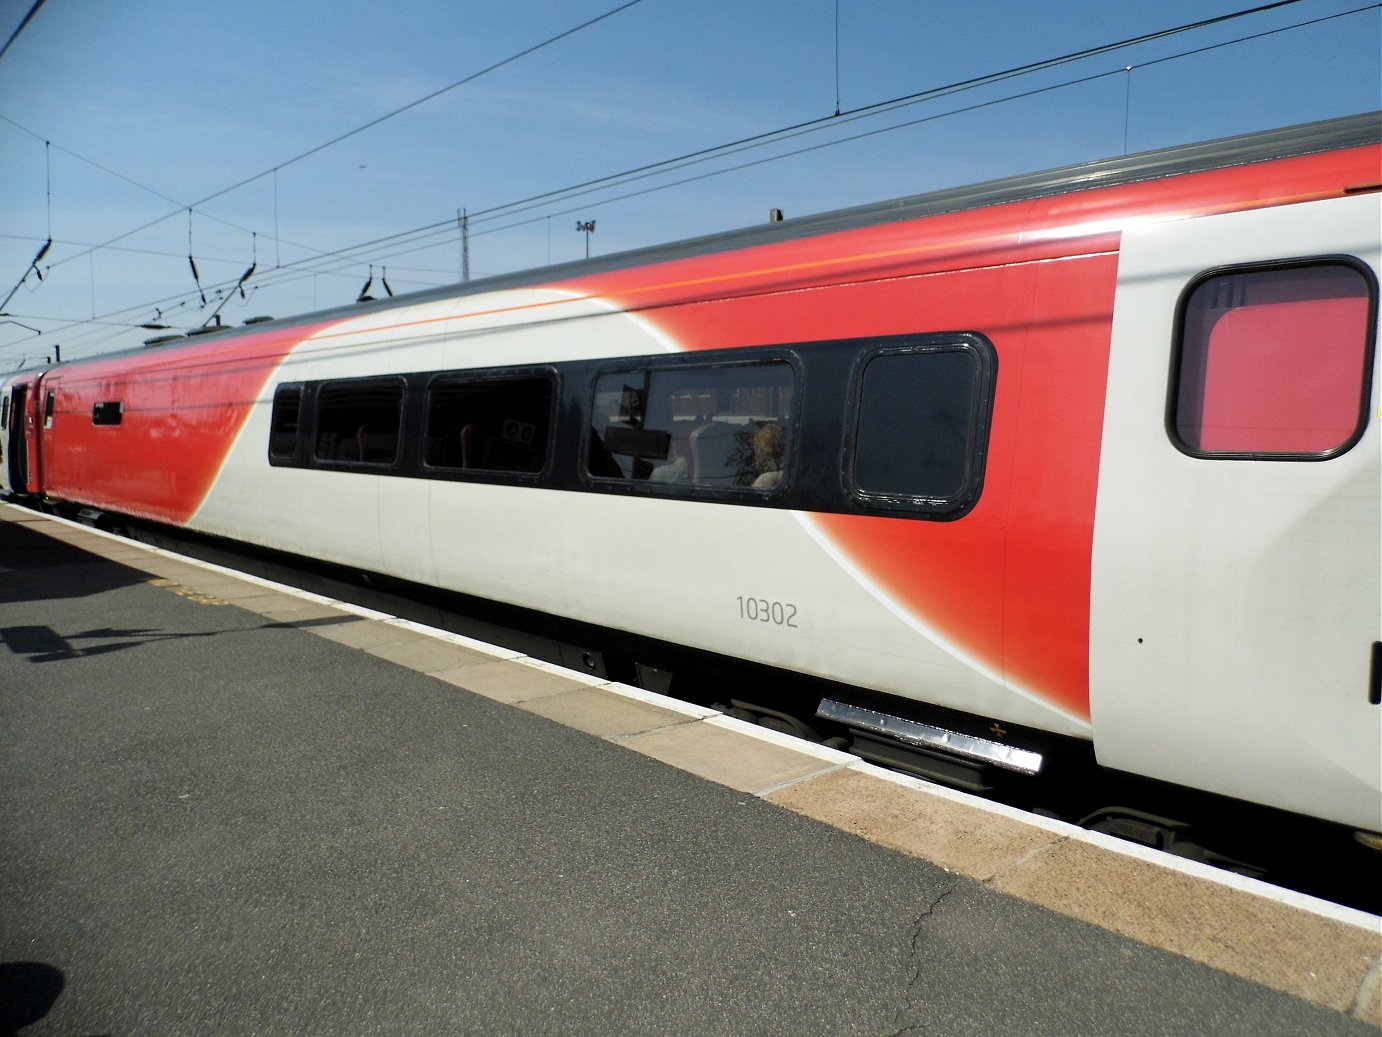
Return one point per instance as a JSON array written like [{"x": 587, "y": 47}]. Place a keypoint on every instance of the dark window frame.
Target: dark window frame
[
  {"x": 819, "y": 413},
  {"x": 481, "y": 376},
  {"x": 108, "y": 413},
  {"x": 1178, "y": 345},
  {"x": 718, "y": 360},
  {"x": 985, "y": 381},
  {"x": 294, "y": 456},
  {"x": 326, "y": 386}
]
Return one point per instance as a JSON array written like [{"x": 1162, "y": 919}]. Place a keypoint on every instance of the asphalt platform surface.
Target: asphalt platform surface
[{"x": 216, "y": 823}]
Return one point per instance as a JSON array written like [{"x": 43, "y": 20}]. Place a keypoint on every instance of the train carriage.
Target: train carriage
[{"x": 1090, "y": 454}]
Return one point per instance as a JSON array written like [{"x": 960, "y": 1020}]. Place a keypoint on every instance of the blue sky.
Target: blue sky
[{"x": 149, "y": 106}]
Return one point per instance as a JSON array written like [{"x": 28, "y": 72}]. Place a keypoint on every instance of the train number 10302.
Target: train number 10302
[{"x": 761, "y": 610}]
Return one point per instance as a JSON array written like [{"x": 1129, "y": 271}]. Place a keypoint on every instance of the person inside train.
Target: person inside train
[{"x": 769, "y": 450}]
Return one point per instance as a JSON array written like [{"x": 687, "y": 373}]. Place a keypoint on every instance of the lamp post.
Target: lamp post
[{"x": 586, "y": 227}]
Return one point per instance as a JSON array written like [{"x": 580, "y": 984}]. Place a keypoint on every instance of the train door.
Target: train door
[
  {"x": 20, "y": 426},
  {"x": 19, "y": 439},
  {"x": 1236, "y": 599},
  {"x": 39, "y": 425},
  {"x": 11, "y": 437}
]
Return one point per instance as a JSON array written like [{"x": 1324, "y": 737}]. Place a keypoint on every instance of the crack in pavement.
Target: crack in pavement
[{"x": 909, "y": 996}]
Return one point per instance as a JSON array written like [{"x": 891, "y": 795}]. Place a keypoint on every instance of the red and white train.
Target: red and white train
[{"x": 1092, "y": 453}]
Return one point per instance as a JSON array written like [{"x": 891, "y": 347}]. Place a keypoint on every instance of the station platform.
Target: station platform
[{"x": 231, "y": 807}]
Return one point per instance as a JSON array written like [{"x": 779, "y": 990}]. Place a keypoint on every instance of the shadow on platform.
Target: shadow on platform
[{"x": 34, "y": 567}]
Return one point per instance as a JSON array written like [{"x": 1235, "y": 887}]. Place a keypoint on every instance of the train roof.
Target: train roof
[{"x": 1224, "y": 153}]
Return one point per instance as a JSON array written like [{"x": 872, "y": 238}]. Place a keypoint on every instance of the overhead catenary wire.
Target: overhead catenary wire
[
  {"x": 297, "y": 158},
  {"x": 23, "y": 24},
  {"x": 971, "y": 83},
  {"x": 441, "y": 228},
  {"x": 116, "y": 174},
  {"x": 907, "y": 99},
  {"x": 273, "y": 171},
  {"x": 354, "y": 254},
  {"x": 481, "y": 215},
  {"x": 500, "y": 216},
  {"x": 385, "y": 117},
  {"x": 334, "y": 263}
]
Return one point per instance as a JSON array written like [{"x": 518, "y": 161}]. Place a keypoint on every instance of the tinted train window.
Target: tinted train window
[
  {"x": 283, "y": 424},
  {"x": 358, "y": 422},
  {"x": 489, "y": 424},
  {"x": 49, "y": 407},
  {"x": 1274, "y": 362},
  {"x": 724, "y": 427},
  {"x": 110, "y": 412},
  {"x": 921, "y": 425}
]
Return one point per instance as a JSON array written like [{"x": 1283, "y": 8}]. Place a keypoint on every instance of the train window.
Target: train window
[
  {"x": 284, "y": 423},
  {"x": 723, "y": 427},
  {"x": 1274, "y": 362},
  {"x": 108, "y": 412},
  {"x": 49, "y": 406},
  {"x": 496, "y": 424},
  {"x": 921, "y": 426},
  {"x": 5, "y": 412},
  {"x": 358, "y": 421}
]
